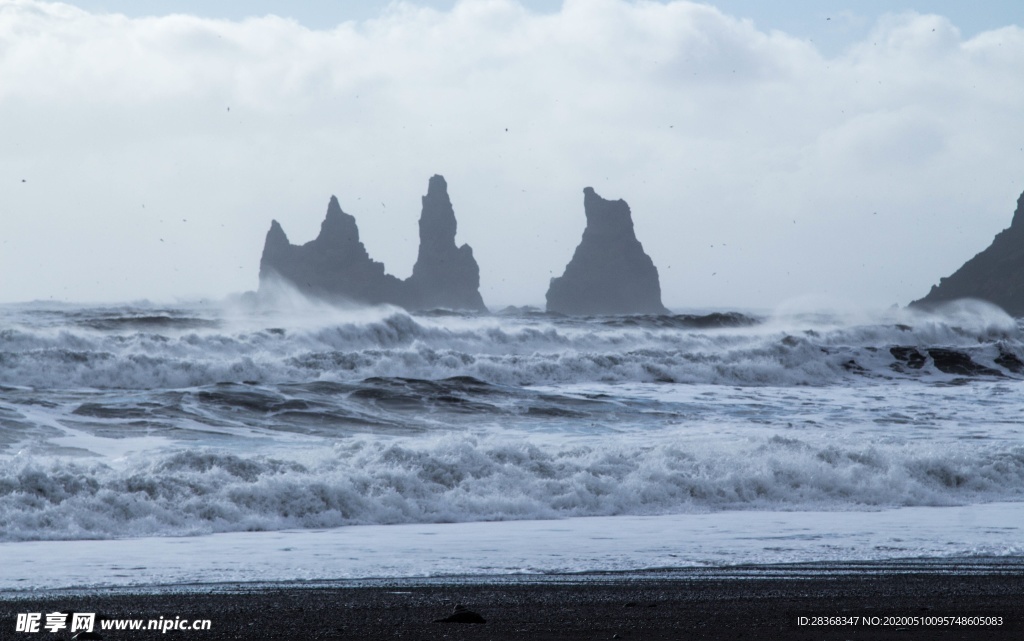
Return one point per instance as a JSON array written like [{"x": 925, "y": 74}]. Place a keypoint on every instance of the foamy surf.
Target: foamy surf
[
  {"x": 158, "y": 348},
  {"x": 208, "y": 421},
  {"x": 985, "y": 533}
]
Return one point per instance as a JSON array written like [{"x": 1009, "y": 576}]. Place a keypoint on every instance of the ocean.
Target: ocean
[{"x": 239, "y": 441}]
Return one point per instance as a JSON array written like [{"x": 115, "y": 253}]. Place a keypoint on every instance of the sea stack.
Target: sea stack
[
  {"x": 609, "y": 273},
  {"x": 445, "y": 275},
  {"x": 995, "y": 275},
  {"x": 336, "y": 266}
]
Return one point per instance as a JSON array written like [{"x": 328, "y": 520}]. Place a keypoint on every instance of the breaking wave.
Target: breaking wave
[
  {"x": 455, "y": 478},
  {"x": 147, "y": 349}
]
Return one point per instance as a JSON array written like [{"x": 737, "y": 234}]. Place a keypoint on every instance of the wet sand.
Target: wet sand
[{"x": 738, "y": 603}]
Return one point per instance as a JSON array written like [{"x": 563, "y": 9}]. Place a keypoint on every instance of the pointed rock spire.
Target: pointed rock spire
[
  {"x": 437, "y": 218},
  {"x": 275, "y": 247},
  {"x": 609, "y": 273},
  {"x": 1018, "y": 216},
  {"x": 444, "y": 275},
  {"x": 339, "y": 236},
  {"x": 276, "y": 236}
]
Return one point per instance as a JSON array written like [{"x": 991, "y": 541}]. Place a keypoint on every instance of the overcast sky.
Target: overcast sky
[{"x": 851, "y": 152}]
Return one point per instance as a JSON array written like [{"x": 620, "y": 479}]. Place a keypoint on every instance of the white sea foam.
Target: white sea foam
[
  {"x": 147, "y": 352},
  {"x": 458, "y": 477},
  {"x": 145, "y": 420},
  {"x": 990, "y": 533}
]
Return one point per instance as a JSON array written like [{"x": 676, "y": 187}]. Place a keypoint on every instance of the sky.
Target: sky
[{"x": 847, "y": 153}]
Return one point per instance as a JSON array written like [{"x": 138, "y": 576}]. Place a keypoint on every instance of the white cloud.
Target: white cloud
[{"x": 157, "y": 150}]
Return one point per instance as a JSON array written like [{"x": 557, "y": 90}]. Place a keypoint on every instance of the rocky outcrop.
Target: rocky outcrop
[
  {"x": 609, "y": 273},
  {"x": 444, "y": 275},
  {"x": 336, "y": 266},
  {"x": 995, "y": 275}
]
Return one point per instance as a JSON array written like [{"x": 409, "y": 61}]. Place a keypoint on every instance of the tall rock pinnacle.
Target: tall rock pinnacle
[
  {"x": 444, "y": 275},
  {"x": 995, "y": 275},
  {"x": 609, "y": 273}
]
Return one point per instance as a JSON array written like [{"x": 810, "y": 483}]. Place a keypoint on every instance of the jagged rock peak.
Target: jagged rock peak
[
  {"x": 1018, "y": 216},
  {"x": 444, "y": 275},
  {"x": 609, "y": 272},
  {"x": 334, "y": 266},
  {"x": 995, "y": 275},
  {"x": 437, "y": 220},
  {"x": 276, "y": 235},
  {"x": 338, "y": 227}
]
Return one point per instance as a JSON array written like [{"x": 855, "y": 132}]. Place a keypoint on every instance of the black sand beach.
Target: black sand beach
[{"x": 908, "y": 599}]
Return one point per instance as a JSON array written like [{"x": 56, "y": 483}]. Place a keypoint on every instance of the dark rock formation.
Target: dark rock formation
[
  {"x": 951, "y": 361},
  {"x": 995, "y": 275},
  {"x": 609, "y": 273},
  {"x": 336, "y": 266},
  {"x": 444, "y": 275}
]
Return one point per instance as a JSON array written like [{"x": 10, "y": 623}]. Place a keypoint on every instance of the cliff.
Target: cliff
[
  {"x": 995, "y": 275},
  {"x": 609, "y": 273}
]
